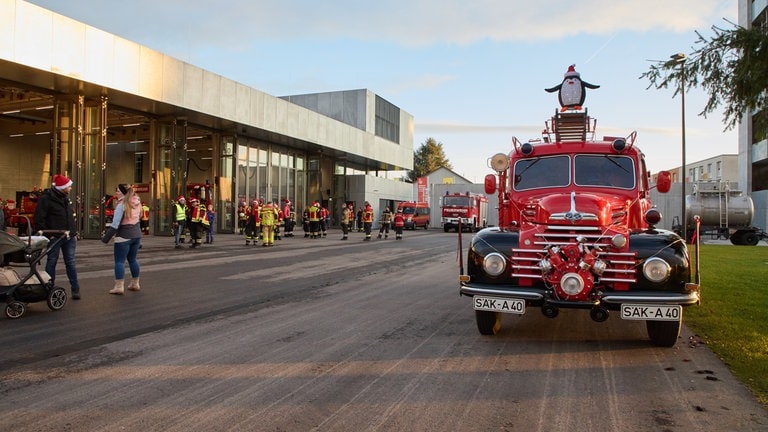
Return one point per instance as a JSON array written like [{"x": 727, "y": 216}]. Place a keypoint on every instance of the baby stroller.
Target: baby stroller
[{"x": 36, "y": 285}]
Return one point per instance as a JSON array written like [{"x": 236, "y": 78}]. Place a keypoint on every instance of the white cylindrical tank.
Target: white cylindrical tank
[{"x": 719, "y": 205}]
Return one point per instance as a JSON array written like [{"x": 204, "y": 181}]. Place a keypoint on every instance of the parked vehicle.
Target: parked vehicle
[
  {"x": 416, "y": 214},
  {"x": 724, "y": 212},
  {"x": 469, "y": 210},
  {"x": 577, "y": 230}
]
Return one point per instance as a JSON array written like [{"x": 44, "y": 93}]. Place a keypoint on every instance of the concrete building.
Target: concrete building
[
  {"x": 103, "y": 110},
  {"x": 753, "y": 144}
]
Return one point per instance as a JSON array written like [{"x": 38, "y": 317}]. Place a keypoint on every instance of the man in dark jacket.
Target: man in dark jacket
[{"x": 54, "y": 212}]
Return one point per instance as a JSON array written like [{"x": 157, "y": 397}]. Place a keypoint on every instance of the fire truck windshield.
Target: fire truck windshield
[
  {"x": 457, "y": 201},
  {"x": 590, "y": 170},
  {"x": 542, "y": 172},
  {"x": 605, "y": 170}
]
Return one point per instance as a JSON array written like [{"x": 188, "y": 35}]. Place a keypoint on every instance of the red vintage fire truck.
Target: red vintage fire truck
[
  {"x": 468, "y": 210},
  {"x": 577, "y": 230}
]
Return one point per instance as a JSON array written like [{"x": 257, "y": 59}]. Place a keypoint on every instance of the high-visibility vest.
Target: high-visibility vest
[
  {"x": 144, "y": 213},
  {"x": 181, "y": 212},
  {"x": 345, "y": 215},
  {"x": 199, "y": 214},
  {"x": 314, "y": 213}
]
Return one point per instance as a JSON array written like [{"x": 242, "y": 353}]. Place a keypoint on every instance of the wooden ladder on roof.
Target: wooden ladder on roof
[{"x": 571, "y": 126}]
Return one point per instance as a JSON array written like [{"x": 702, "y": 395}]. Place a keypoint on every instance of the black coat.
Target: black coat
[{"x": 54, "y": 212}]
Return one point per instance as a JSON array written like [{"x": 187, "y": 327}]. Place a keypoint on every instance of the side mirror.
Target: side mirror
[
  {"x": 664, "y": 181},
  {"x": 490, "y": 184}
]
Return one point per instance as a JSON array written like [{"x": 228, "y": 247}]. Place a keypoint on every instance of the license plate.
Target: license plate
[
  {"x": 651, "y": 312},
  {"x": 496, "y": 304}
]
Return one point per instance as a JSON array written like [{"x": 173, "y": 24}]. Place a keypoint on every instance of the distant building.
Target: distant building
[{"x": 753, "y": 144}]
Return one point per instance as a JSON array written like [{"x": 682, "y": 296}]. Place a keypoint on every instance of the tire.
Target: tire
[
  {"x": 488, "y": 323},
  {"x": 664, "y": 333},
  {"x": 751, "y": 239},
  {"x": 15, "y": 310},
  {"x": 57, "y": 298},
  {"x": 426, "y": 225},
  {"x": 445, "y": 228}
]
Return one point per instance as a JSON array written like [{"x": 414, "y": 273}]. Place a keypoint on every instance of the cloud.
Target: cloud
[{"x": 413, "y": 23}]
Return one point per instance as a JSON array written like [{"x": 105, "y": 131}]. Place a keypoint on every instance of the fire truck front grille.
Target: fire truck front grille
[{"x": 620, "y": 267}]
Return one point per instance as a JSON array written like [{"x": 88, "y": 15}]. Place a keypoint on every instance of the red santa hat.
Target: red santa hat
[
  {"x": 181, "y": 197},
  {"x": 61, "y": 182},
  {"x": 571, "y": 73}
]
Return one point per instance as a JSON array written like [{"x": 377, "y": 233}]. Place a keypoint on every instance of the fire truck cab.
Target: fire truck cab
[{"x": 468, "y": 211}]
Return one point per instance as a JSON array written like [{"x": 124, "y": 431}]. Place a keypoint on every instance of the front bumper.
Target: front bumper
[{"x": 538, "y": 296}]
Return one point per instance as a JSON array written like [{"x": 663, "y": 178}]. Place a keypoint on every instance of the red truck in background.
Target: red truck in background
[
  {"x": 468, "y": 209},
  {"x": 577, "y": 230}
]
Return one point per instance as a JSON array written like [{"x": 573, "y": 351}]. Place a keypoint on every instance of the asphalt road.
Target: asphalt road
[{"x": 325, "y": 335}]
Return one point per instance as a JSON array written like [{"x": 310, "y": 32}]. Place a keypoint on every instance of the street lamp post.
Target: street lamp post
[{"x": 680, "y": 58}]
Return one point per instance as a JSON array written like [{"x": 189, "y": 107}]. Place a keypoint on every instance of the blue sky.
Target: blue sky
[{"x": 472, "y": 73}]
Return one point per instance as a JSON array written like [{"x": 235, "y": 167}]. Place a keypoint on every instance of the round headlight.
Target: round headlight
[
  {"x": 572, "y": 283},
  {"x": 656, "y": 269},
  {"x": 494, "y": 264}
]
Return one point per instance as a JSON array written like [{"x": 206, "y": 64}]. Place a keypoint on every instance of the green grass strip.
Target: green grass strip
[{"x": 733, "y": 316}]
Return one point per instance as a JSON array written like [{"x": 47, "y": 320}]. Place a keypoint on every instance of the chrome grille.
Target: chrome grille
[{"x": 620, "y": 265}]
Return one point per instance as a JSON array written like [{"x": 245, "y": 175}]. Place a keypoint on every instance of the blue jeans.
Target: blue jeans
[
  {"x": 127, "y": 250},
  {"x": 67, "y": 247}
]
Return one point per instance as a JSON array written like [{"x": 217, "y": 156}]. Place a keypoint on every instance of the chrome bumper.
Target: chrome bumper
[{"x": 692, "y": 297}]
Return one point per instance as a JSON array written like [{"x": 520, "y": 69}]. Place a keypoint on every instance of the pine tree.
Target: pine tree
[
  {"x": 427, "y": 158},
  {"x": 731, "y": 67}
]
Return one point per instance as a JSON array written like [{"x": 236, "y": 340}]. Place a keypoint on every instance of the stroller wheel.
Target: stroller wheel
[
  {"x": 57, "y": 298},
  {"x": 15, "y": 309}
]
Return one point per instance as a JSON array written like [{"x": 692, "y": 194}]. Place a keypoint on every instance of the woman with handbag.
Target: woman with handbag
[{"x": 126, "y": 230}]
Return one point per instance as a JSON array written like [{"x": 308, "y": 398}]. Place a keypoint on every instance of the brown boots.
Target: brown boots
[{"x": 120, "y": 284}]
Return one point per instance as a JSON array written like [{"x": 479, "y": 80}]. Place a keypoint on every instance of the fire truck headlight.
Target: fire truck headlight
[
  {"x": 656, "y": 269},
  {"x": 619, "y": 241},
  {"x": 572, "y": 283},
  {"x": 494, "y": 264}
]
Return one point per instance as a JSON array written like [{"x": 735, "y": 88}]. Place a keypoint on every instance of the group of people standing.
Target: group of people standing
[
  {"x": 198, "y": 218},
  {"x": 262, "y": 221},
  {"x": 364, "y": 218}
]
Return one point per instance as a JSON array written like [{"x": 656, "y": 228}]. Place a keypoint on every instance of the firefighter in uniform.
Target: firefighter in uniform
[
  {"x": 144, "y": 220},
  {"x": 399, "y": 223},
  {"x": 367, "y": 220},
  {"x": 305, "y": 221},
  {"x": 242, "y": 216},
  {"x": 347, "y": 219},
  {"x": 384, "y": 221},
  {"x": 279, "y": 223},
  {"x": 288, "y": 218},
  {"x": 251, "y": 233},
  {"x": 324, "y": 220},
  {"x": 314, "y": 220},
  {"x": 269, "y": 218},
  {"x": 179, "y": 221},
  {"x": 198, "y": 221}
]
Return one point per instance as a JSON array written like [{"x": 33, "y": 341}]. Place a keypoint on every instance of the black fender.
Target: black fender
[
  {"x": 665, "y": 245},
  {"x": 484, "y": 242}
]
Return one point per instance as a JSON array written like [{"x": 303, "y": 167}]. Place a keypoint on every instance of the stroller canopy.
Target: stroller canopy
[{"x": 10, "y": 243}]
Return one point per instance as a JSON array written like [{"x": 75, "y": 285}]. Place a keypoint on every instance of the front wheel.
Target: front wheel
[
  {"x": 664, "y": 333},
  {"x": 15, "y": 309},
  {"x": 57, "y": 298},
  {"x": 488, "y": 323}
]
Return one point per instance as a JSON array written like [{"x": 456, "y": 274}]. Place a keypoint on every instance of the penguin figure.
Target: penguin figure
[{"x": 572, "y": 90}]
